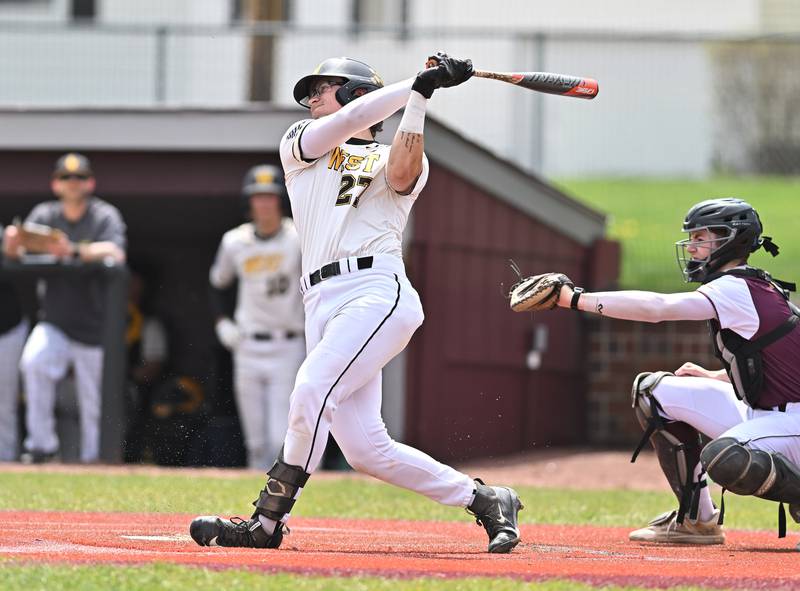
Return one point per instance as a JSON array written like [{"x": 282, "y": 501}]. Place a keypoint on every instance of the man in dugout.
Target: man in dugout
[{"x": 87, "y": 230}]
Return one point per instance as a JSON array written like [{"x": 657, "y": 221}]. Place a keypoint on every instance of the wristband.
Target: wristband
[
  {"x": 576, "y": 295},
  {"x": 413, "y": 120}
]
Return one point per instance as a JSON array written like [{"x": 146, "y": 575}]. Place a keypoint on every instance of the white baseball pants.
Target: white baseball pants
[
  {"x": 356, "y": 323},
  {"x": 45, "y": 360},
  {"x": 711, "y": 407},
  {"x": 264, "y": 374},
  {"x": 11, "y": 343}
]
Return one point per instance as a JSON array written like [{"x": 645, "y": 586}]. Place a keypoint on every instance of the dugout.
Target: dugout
[{"x": 467, "y": 386}]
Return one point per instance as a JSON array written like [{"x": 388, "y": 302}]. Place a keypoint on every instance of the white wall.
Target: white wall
[
  {"x": 179, "y": 12},
  {"x": 611, "y": 15},
  {"x": 653, "y": 115}
]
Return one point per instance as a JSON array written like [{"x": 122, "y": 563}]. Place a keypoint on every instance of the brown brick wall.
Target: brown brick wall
[{"x": 617, "y": 352}]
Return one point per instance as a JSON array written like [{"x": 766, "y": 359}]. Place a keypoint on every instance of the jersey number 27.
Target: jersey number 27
[{"x": 348, "y": 182}]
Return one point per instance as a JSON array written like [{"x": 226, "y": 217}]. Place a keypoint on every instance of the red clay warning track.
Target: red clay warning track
[{"x": 596, "y": 555}]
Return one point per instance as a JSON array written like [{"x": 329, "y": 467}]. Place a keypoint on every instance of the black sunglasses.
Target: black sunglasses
[{"x": 69, "y": 177}]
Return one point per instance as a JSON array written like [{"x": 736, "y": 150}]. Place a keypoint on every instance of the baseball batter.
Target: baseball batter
[
  {"x": 751, "y": 409},
  {"x": 351, "y": 197},
  {"x": 266, "y": 333}
]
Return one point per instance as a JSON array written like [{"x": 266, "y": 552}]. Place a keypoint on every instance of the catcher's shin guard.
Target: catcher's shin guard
[
  {"x": 754, "y": 472},
  {"x": 278, "y": 496},
  {"x": 677, "y": 444}
]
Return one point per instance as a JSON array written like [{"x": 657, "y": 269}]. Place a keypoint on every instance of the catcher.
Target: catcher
[{"x": 750, "y": 410}]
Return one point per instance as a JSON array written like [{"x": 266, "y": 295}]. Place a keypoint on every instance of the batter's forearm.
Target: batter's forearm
[
  {"x": 325, "y": 133},
  {"x": 405, "y": 157}
]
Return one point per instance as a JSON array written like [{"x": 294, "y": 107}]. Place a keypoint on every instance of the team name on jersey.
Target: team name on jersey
[
  {"x": 343, "y": 161},
  {"x": 260, "y": 263}
]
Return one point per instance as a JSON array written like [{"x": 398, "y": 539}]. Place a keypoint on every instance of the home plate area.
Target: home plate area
[{"x": 405, "y": 549}]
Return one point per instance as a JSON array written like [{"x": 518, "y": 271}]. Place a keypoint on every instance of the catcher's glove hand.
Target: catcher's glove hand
[{"x": 539, "y": 292}]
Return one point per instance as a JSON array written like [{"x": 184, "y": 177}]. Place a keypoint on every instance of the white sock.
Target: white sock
[
  {"x": 268, "y": 524},
  {"x": 706, "y": 506}
]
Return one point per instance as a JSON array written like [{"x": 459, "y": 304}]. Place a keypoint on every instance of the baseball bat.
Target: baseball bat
[{"x": 560, "y": 84}]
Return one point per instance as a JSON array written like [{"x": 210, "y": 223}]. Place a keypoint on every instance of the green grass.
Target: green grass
[
  {"x": 164, "y": 576},
  {"x": 322, "y": 498},
  {"x": 646, "y": 216},
  {"x": 338, "y": 498}
]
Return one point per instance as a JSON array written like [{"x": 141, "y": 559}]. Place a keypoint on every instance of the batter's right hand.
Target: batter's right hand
[
  {"x": 229, "y": 334},
  {"x": 457, "y": 71},
  {"x": 442, "y": 71}
]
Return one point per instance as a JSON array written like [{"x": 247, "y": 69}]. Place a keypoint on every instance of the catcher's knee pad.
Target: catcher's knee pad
[
  {"x": 278, "y": 496},
  {"x": 755, "y": 472},
  {"x": 677, "y": 444}
]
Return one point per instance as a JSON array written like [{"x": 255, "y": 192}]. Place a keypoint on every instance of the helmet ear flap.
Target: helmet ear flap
[{"x": 343, "y": 95}]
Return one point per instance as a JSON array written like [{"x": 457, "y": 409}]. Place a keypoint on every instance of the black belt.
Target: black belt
[
  {"x": 333, "y": 269},
  {"x": 268, "y": 336},
  {"x": 779, "y": 408}
]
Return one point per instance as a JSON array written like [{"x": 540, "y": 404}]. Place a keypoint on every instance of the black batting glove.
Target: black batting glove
[
  {"x": 443, "y": 71},
  {"x": 427, "y": 81},
  {"x": 457, "y": 71}
]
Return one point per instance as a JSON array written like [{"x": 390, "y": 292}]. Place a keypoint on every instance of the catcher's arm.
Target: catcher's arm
[
  {"x": 643, "y": 306},
  {"x": 550, "y": 290}
]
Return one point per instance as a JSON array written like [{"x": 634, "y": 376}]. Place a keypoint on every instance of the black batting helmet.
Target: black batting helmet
[
  {"x": 739, "y": 229},
  {"x": 263, "y": 178},
  {"x": 357, "y": 75}
]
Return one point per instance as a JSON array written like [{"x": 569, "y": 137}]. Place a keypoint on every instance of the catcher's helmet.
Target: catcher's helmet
[
  {"x": 357, "y": 75},
  {"x": 263, "y": 178},
  {"x": 739, "y": 229}
]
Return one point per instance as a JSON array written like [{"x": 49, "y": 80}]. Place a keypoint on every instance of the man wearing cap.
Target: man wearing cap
[
  {"x": 266, "y": 334},
  {"x": 70, "y": 330},
  {"x": 13, "y": 331}
]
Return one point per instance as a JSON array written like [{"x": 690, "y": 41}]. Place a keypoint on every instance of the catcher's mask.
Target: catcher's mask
[
  {"x": 737, "y": 232},
  {"x": 359, "y": 79}
]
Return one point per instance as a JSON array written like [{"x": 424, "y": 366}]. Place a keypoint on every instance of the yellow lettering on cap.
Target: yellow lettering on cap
[
  {"x": 72, "y": 162},
  {"x": 264, "y": 177}
]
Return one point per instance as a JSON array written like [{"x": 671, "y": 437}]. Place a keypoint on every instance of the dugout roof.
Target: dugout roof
[{"x": 259, "y": 129}]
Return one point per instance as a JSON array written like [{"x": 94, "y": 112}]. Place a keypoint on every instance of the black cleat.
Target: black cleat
[
  {"x": 236, "y": 533},
  {"x": 794, "y": 511},
  {"x": 496, "y": 509},
  {"x": 37, "y": 456}
]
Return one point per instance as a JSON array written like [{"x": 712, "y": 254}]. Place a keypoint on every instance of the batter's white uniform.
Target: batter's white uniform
[
  {"x": 269, "y": 310},
  {"x": 358, "y": 320}
]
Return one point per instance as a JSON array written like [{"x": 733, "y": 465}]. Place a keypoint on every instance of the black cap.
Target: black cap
[
  {"x": 73, "y": 163},
  {"x": 263, "y": 178}
]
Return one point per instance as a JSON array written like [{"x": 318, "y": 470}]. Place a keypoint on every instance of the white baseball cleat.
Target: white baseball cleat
[{"x": 665, "y": 529}]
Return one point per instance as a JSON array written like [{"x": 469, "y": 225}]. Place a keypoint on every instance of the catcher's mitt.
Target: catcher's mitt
[
  {"x": 539, "y": 292},
  {"x": 38, "y": 238}
]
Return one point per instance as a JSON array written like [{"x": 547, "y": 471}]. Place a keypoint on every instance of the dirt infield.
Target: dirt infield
[{"x": 600, "y": 556}]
